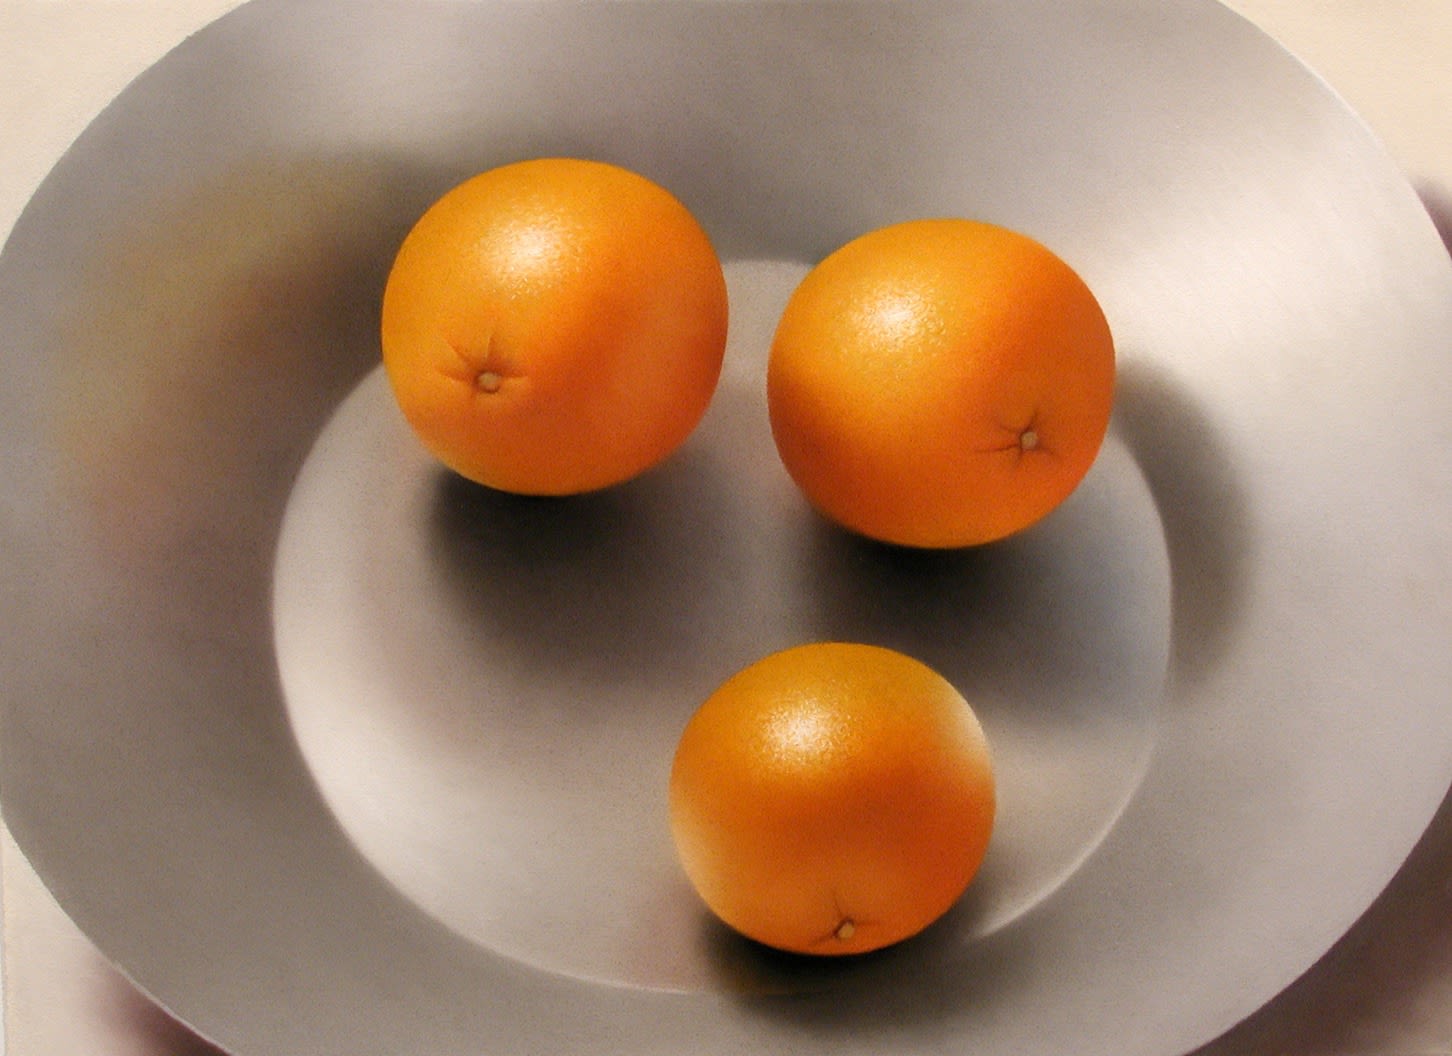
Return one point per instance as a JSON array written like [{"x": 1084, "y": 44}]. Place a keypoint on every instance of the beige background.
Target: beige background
[{"x": 1386, "y": 990}]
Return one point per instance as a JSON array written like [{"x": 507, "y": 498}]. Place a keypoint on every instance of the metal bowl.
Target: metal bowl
[{"x": 333, "y": 752}]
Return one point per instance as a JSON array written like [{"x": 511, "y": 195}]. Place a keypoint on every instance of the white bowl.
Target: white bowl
[{"x": 332, "y": 752}]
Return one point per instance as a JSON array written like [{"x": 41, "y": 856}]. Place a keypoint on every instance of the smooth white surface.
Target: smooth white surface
[{"x": 1366, "y": 46}]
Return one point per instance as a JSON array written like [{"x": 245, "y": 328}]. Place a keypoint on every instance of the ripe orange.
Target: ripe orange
[
  {"x": 554, "y": 326},
  {"x": 940, "y": 383},
  {"x": 832, "y": 798}
]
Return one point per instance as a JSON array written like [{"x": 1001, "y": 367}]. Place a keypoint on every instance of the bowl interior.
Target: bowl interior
[{"x": 488, "y": 689}]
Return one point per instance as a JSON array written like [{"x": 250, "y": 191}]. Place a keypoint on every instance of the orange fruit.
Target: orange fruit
[
  {"x": 940, "y": 383},
  {"x": 554, "y": 326},
  {"x": 832, "y": 798}
]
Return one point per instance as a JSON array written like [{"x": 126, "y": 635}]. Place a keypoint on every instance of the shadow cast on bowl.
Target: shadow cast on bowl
[
  {"x": 1202, "y": 508},
  {"x": 590, "y": 585}
]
